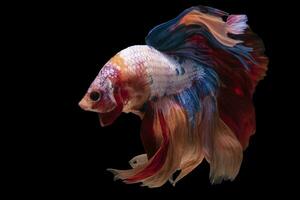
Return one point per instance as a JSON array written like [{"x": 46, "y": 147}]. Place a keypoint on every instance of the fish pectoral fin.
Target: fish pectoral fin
[{"x": 138, "y": 160}]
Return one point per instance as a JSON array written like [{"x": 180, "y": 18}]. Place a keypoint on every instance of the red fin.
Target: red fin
[
  {"x": 258, "y": 69},
  {"x": 238, "y": 113},
  {"x": 159, "y": 158},
  {"x": 238, "y": 84},
  {"x": 151, "y": 140}
]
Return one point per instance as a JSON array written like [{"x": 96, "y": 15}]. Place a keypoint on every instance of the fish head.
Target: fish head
[{"x": 104, "y": 95}]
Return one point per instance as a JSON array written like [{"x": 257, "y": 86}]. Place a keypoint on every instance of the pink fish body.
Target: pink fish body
[{"x": 192, "y": 86}]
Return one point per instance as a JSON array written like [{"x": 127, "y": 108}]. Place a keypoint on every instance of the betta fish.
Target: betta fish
[{"x": 192, "y": 86}]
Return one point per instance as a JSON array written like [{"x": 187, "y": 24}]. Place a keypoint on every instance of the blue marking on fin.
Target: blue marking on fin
[
  {"x": 190, "y": 98},
  {"x": 180, "y": 71},
  {"x": 172, "y": 39}
]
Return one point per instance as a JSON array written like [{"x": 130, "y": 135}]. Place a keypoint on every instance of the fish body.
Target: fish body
[
  {"x": 192, "y": 86},
  {"x": 160, "y": 73},
  {"x": 163, "y": 73}
]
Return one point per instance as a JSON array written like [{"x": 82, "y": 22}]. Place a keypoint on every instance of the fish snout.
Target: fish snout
[{"x": 83, "y": 104}]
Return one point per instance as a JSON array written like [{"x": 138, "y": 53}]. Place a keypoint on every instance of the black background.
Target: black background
[{"x": 71, "y": 151}]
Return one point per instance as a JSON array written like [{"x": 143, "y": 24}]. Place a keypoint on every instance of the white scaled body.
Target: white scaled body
[{"x": 165, "y": 75}]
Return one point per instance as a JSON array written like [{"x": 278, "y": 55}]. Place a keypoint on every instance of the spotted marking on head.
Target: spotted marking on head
[{"x": 109, "y": 71}]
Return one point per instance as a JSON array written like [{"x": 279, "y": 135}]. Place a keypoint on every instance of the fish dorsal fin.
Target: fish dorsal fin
[{"x": 169, "y": 35}]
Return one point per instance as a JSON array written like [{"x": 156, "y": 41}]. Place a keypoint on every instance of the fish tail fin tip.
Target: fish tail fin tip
[{"x": 236, "y": 24}]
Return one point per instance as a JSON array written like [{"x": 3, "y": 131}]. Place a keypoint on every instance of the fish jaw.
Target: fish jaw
[{"x": 106, "y": 118}]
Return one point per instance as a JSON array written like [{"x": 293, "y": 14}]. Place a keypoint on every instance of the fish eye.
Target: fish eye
[{"x": 95, "y": 96}]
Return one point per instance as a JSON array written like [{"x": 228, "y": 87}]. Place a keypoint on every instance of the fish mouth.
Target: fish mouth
[
  {"x": 83, "y": 104},
  {"x": 106, "y": 118},
  {"x": 86, "y": 105}
]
